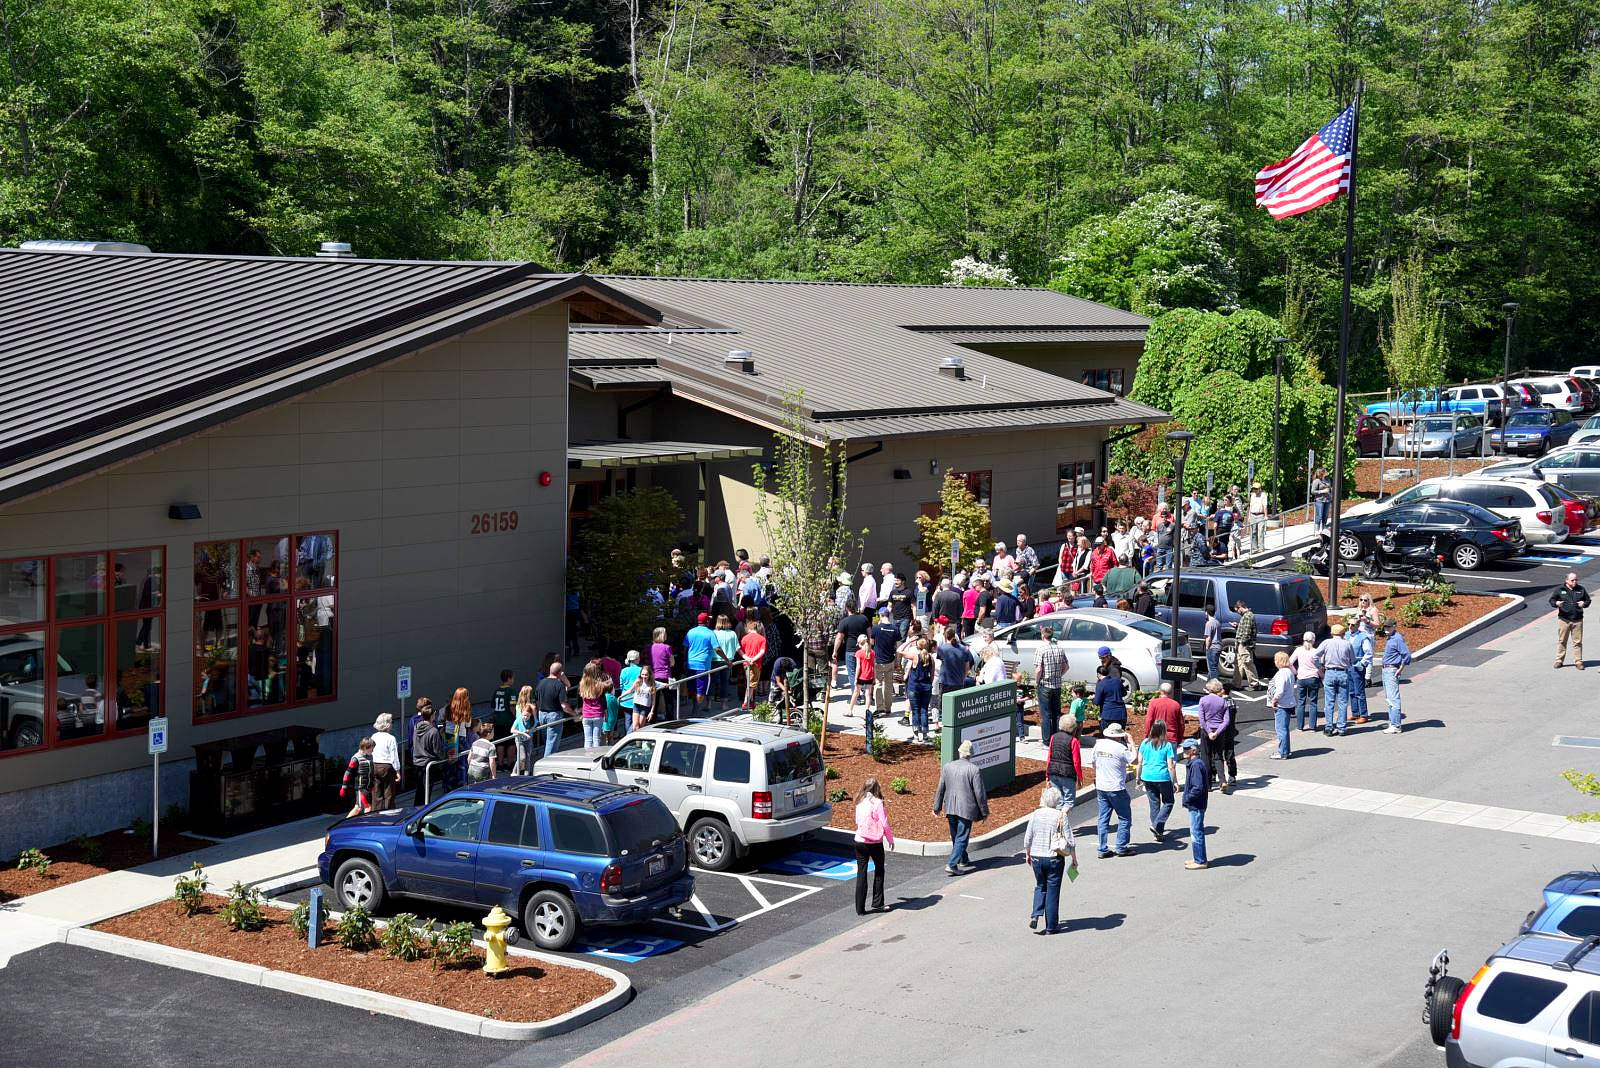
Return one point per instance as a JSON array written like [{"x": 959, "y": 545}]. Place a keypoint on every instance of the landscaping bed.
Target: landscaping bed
[
  {"x": 72, "y": 862},
  {"x": 1367, "y": 484},
  {"x": 528, "y": 992},
  {"x": 1463, "y": 609}
]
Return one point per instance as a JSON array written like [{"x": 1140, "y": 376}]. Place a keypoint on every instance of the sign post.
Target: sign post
[
  {"x": 986, "y": 716},
  {"x": 156, "y": 744},
  {"x": 402, "y": 693},
  {"x": 955, "y": 555}
]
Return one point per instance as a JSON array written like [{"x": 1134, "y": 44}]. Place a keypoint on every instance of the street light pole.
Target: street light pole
[
  {"x": 1278, "y": 345},
  {"x": 1510, "y": 308},
  {"x": 1181, "y": 439}
]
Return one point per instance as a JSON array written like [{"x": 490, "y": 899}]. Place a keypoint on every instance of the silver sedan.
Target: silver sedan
[{"x": 1446, "y": 437}]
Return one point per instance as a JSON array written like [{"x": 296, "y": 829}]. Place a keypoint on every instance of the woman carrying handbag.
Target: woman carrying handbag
[{"x": 1047, "y": 847}]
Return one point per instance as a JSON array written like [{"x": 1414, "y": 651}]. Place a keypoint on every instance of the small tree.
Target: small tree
[
  {"x": 621, "y": 552},
  {"x": 961, "y": 518},
  {"x": 1413, "y": 345},
  {"x": 801, "y": 515},
  {"x": 1125, "y": 497}
]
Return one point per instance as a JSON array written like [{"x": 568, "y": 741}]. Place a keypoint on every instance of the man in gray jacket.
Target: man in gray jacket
[{"x": 964, "y": 800}]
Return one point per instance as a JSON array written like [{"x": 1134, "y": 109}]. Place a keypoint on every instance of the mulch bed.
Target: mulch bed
[
  {"x": 527, "y": 993},
  {"x": 1462, "y": 609},
  {"x": 70, "y": 861},
  {"x": 1367, "y": 484}
]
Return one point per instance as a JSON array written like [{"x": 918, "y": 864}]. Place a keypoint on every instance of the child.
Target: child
[
  {"x": 644, "y": 695},
  {"x": 1196, "y": 785},
  {"x": 522, "y": 730},
  {"x": 864, "y": 675},
  {"x": 359, "y": 776},
  {"x": 611, "y": 725},
  {"x": 481, "y": 757},
  {"x": 1080, "y": 702}
]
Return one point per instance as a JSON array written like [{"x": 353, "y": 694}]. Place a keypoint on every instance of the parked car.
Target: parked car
[
  {"x": 1536, "y": 1001},
  {"x": 1485, "y": 400},
  {"x": 1535, "y": 431},
  {"x": 1139, "y": 642},
  {"x": 1581, "y": 511},
  {"x": 1575, "y": 468},
  {"x": 80, "y": 705},
  {"x": 1569, "y": 905},
  {"x": 1557, "y": 391},
  {"x": 1590, "y": 390},
  {"x": 1286, "y": 604},
  {"x": 1447, "y": 435},
  {"x": 1530, "y": 501},
  {"x": 1415, "y": 403},
  {"x": 1530, "y": 397},
  {"x": 730, "y": 784},
  {"x": 1469, "y": 536},
  {"x": 1590, "y": 370},
  {"x": 1588, "y": 432},
  {"x": 559, "y": 854},
  {"x": 1372, "y": 436}
]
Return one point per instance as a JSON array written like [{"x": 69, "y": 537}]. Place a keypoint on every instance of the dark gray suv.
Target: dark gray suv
[{"x": 1286, "y": 605}]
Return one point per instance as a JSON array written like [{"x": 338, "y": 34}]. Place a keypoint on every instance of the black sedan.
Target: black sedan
[{"x": 1469, "y": 536}]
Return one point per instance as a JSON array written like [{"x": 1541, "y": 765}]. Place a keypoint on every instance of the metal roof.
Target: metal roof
[
  {"x": 979, "y": 420},
  {"x": 633, "y": 375},
  {"x": 623, "y": 453},
  {"x": 109, "y": 354},
  {"x": 1036, "y": 335}
]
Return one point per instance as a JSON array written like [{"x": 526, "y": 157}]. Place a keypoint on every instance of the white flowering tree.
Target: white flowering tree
[{"x": 971, "y": 271}]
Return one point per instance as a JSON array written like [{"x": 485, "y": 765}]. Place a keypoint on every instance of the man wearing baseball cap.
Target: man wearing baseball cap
[
  {"x": 699, "y": 646},
  {"x": 1108, "y": 691},
  {"x": 1111, "y": 757},
  {"x": 1196, "y": 789}
]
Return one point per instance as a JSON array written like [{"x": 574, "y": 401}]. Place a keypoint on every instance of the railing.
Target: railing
[
  {"x": 427, "y": 770},
  {"x": 718, "y": 696}
]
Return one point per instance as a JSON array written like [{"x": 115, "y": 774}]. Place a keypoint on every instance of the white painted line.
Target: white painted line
[
  {"x": 750, "y": 886},
  {"x": 1480, "y": 575},
  {"x": 971, "y": 897},
  {"x": 1429, "y": 809}
]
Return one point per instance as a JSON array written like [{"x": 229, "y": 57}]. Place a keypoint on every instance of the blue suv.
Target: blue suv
[
  {"x": 1571, "y": 906},
  {"x": 558, "y": 853}
]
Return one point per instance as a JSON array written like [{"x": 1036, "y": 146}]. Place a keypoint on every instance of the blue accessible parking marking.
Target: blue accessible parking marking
[
  {"x": 630, "y": 949},
  {"x": 818, "y": 864}
]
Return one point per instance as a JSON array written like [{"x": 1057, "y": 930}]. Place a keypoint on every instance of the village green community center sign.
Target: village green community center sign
[{"x": 986, "y": 716}]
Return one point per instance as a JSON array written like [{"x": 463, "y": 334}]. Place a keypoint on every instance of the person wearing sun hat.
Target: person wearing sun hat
[
  {"x": 1006, "y": 605},
  {"x": 1111, "y": 757},
  {"x": 1257, "y": 509}
]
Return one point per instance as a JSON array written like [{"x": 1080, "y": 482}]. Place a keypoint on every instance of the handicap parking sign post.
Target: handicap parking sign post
[{"x": 156, "y": 744}]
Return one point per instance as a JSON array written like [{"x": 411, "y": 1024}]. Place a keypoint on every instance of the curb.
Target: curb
[
  {"x": 359, "y": 998},
  {"x": 1514, "y": 603}
]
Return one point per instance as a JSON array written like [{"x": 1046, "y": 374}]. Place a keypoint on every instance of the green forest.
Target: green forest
[{"x": 1105, "y": 147}]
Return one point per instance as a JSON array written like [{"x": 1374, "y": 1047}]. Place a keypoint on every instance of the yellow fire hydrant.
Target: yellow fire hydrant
[{"x": 494, "y": 940}]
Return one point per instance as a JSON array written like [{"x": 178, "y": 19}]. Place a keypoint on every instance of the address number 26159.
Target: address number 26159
[{"x": 493, "y": 522}]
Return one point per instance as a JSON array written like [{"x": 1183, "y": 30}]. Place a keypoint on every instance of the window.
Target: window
[
  {"x": 1262, "y": 597},
  {"x": 979, "y": 483},
  {"x": 1106, "y": 378},
  {"x": 682, "y": 758},
  {"x": 1581, "y": 922},
  {"x": 577, "y": 832},
  {"x": 1517, "y": 998},
  {"x": 455, "y": 820},
  {"x": 1194, "y": 593},
  {"x": 1583, "y": 1022},
  {"x": 634, "y": 755},
  {"x": 81, "y": 636},
  {"x": 641, "y": 826},
  {"x": 513, "y": 824},
  {"x": 797, "y": 760},
  {"x": 265, "y": 623},
  {"x": 1074, "y": 495},
  {"x": 1088, "y": 630},
  {"x": 731, "y": 765}
]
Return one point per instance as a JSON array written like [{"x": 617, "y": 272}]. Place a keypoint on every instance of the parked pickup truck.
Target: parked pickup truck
[{"x": 1484, "y": 400}]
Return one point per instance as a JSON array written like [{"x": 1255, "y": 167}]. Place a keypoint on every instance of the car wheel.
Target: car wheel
[
  {"x": 1130, "y": 685},
  {"x": 1349, "y": 547},
  {"x": 711, "y": 844},
  {"x": 1382, "y": 417},
  {"x": 26, "y": 735},
  {"x": 550, "y": 920},
  {"x": 1467, "y": 556},
  {"x": 1228, "y": 658},
  {"x": 1442, "y": 1006},
  {"x": 359, "y": 884}
]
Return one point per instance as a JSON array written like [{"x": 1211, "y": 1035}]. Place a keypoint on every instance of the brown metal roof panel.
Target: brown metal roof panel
[
  {"x": 1036, "y": 335},
  {"x": 1119, "y": 413}
]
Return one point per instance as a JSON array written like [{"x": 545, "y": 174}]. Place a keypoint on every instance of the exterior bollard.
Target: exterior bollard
[
  {"x": 314, "y": 932},
  {"x": 494, "y": 940}
]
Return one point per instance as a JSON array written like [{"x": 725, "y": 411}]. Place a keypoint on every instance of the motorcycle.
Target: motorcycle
[{"x": 1417, "y": 565}]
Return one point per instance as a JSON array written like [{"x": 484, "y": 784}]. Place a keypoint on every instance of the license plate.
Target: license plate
[
  {"x": 655, "y": 865},
  {"x": 801, "y": 797}
]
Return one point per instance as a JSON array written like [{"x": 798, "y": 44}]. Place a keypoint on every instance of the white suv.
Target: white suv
[
  {"x": 1535, "y": 1001},
  {"x": 730, "y": 783},
  {"x": 1555, "y": 391},
  {"x": 1527, "y": 500}
]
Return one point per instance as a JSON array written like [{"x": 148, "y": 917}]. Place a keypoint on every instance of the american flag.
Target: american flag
[{"x": 1318, "y": 171}]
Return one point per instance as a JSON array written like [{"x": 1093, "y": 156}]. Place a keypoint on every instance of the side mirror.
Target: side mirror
[
  {"x": 605, "y": 763},
  {"x": 412, "y": 828}
]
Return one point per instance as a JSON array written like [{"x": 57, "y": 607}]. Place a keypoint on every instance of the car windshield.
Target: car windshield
[
  {"x": 1152, "y": 628},
  {"x": 640, "y": 826},
  {"x": 1592, "y": 423},
  {"x": 1436, "y": 425},
  {"x": 1530, "y": 419},
  {"x": 1301, "y": 595},
  {"x": 797, "y": 760}
]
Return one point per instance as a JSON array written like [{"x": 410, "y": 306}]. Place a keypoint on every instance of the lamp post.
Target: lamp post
[
  {"x": 1510, "y": 308},
  {"x": 1180, "y": 439},
  {"x": 1278, "y": 345}
]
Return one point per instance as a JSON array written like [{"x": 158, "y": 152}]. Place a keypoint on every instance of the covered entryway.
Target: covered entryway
[{"x": 598, "y": 468}]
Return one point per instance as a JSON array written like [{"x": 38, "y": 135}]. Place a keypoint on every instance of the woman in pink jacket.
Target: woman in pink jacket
[{"x": 872, "y": 831}]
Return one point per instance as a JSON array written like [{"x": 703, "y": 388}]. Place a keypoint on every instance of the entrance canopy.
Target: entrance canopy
[{"x": 613, "y": 453}]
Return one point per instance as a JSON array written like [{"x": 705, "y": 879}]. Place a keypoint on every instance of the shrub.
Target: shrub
[
  {"x": 838, "y": 794},
  {"x": 1301, "y": 565},
  {"x": 764, "y": 712},
  {"x": 243, "y": 910},
  {"x": 355, "y": 929},
  {"x": 300, "y": 920},
  {"x": 451, "y": 946},
  {"x": 831, "y": 773},
  {"x": 900, "y": 785},
  {"x": 91, "y": 849},
  {"x": 401, "y": 940},
  {"x": 1426, "y": 603},
  {"x": 878, "y": 747},
  {"x": 1352, "y": 588},
  {"x": 1394, "y": 591},
  {"x": 1388, "y": 604},
  {"x": 189, "y": 891},
  {"x": 1443, "y": 591},
  {"x": 140, "y": 828},
  {"x": 34, "y": 859},
  {"x": 1411, "y": 614}
]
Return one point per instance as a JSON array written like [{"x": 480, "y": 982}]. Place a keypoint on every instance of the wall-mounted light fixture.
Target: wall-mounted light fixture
[
  {"x": 933, "y": 468},
  {"x": 183, "y": 511}
]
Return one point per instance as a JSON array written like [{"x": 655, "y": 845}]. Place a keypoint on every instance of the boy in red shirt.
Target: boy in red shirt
[{"x": 753, "y": 646}]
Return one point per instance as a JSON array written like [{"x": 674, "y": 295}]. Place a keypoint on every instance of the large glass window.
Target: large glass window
[
  {"x": 1074, "y": 495},
  {"x": 1107, "y": 378},
  {"x": 80, "y": 646},
  {"x": 266, "y": 622}
]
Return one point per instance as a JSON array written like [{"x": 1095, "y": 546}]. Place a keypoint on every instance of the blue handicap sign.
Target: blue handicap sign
[
  {"x": 822, "y": 865},
  {"x": 630, "y": 949}
]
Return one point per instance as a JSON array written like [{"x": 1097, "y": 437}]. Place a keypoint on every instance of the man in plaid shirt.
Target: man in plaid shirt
[{"x": 1050, "y": 669}]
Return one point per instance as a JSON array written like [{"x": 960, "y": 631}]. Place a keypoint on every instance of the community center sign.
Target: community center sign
[{"x": 986, "y": 716}]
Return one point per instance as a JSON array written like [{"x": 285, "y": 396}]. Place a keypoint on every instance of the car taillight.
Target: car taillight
[
  {"x": 1544, "y": 517},
  {"x": 611, "y": 879},
  {"x": 1280, "y": 626},
  {"x": 761, "y": 805},
  {"x": 1461, "y": 1003},
  {"x": 1503, "y": 535}
]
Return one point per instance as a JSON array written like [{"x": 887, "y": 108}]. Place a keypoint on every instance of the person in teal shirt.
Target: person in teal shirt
[
  {"x": 699, "y": 646},
  {"x": 727, "y": 653},
  {"x": 1156, "y": 765},
  {"x": 625, "y": 686}
]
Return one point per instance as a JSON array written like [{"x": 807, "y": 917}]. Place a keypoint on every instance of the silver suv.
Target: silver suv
[
  {"x": 1535, "y": 1001},
  {"x": 730, "y": 783}
]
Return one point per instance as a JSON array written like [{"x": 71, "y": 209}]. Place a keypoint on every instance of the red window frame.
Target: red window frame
[
  {"x": 107, "y": 619},
  {"x": 289, "y": 601}
]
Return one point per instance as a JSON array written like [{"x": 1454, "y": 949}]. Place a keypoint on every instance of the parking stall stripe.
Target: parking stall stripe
[{"x": 750, "y": 886}]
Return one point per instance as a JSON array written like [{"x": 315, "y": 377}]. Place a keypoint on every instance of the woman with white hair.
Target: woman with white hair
[
  {"x": 385, "y": 763},
  {"x": 991, "y": 668},
  {"x": 1047, "y": 847}
]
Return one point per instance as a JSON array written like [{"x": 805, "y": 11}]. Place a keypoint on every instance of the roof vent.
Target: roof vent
[
  {"x": 952, "y": 367},
  {"x": 336, "y": 250},
  {"x": 743, "y": 359},
  {"x": 55, "y": 245}
]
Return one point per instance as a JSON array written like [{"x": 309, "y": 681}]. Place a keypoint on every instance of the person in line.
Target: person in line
[
  {"x": 699, "y": 652},
  {"x": 1111, "y": 758},
  {"x": 752, "y": 651},
  {"x": 955, "y": 660},
  {"x": 1281, "y": 698},
  {"x": 627, "y": 685},
  {"x": 385, "y": 763},
  {"x": 851, "y": 626},
  {"x": 1213, "y": 643},
  {"x": 1335, "y": 657},
  {"x": 457, "y": 734},
  {"x": 885, "y": 638},
  {"x": 1165, "y": 709},
  {"x": 427, "y": 747},
  {"x": 1196, "y": 791},
  {"x": 867, "y": 595},
  {"x": 1047, "y": 848},
  {"x": 724, "y": 660},
  {"x": 1156, "y": 763},
  {"x": 482, "y": 760},
  {"x": 502, "y": 701},
  {"x": 358, "y": 779},
  {"x": 1079, "y": 708},
  {"x": 1165, "y": 532},
  {"x": 1321, "y": 496},
  {"x": 1244, "y": 649},
  {"x": 592, "y": 687},
  {"x": 872, "y": 831},
  {"x": 864, "y": 678},
  {"x": 1569, "y": 600},
  {"x": 550, "y": 698},
  {"x": 1258, "y": 516},
  {"x": 1064, "y": 760},
  {"x": 919, "y": 687},
  {"x": 1050, "y": 669},
  {"x": 661, "y": 655},
  {"x": 522, "y": 720},
  {"x": 1307, "y": 681},
  {"x": 1108, "y": 691},
  {"x": 991, "y": 666},
  {"x": 961, "y": 797},
  {"x": 1144, "y": 602},
  {"x": 1027, "y": 559},
  {"x": 646, "y": 706},
  {"x": 1396, "y": 658},
  {"x": 947, "y": 602}
]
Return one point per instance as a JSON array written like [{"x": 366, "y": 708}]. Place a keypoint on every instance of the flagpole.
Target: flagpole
[{"x": 1344, "y": 358}]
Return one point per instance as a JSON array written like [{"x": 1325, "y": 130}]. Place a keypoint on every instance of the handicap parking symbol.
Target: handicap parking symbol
[
  {"x": 821, "y": 865},
  {"x": 630, "y": 949}
]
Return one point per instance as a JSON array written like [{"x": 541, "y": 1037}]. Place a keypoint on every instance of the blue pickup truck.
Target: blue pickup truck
[{"x": 1485, "y": 399}]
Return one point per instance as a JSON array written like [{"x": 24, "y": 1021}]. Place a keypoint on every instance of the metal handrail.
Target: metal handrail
[
  {"x": 427, "y": 769},
  {"x": 678, "y": 684}
]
